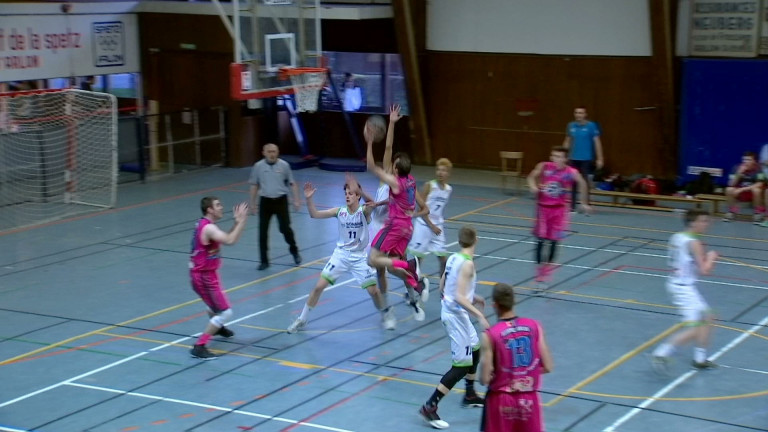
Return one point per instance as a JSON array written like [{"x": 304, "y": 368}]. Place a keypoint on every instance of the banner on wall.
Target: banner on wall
[
  {"x": 724, "y": 28},
  {"x": 53, "y": 46}
]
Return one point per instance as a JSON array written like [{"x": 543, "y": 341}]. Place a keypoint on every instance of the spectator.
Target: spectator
[
  {"x": 746, "y": 185},
  {"x": 582, "y": 139},
  {"x": 353, "y": 95}
]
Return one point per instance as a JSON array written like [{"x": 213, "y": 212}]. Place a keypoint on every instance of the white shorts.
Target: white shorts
[
  {"x": 462, "y": 334},
  {"x": 343, "y": 263},
  {"x": 693, "y": 307},
  {"x": 424, "y": 241}
]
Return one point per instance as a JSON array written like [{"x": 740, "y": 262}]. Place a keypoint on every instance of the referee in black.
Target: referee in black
[{"x": 271, "y": 180}]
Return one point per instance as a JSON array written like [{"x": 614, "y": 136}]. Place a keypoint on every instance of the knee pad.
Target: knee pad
[
  {"x": 221, "y": 318},
  {"x": 454, "y": 375}
]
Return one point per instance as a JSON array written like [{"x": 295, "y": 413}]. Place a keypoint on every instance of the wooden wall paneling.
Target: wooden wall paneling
[{"x": 472, "y": 110}]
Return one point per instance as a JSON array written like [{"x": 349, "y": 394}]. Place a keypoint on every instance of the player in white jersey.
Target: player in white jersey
[
  {"x": 688, "y": 259},
  {"x": 351, "y": 253},
  {"x": 459, "y": 301},
  {"x": 428, "y": 236}
]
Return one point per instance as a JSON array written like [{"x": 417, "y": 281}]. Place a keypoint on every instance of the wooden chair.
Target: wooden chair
[{"x": 514, "y": 169}]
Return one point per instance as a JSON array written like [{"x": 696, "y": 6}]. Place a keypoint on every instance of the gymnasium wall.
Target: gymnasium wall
[
  {"x": 485, "y": 64},
  {"x": 583, "y": 27}
]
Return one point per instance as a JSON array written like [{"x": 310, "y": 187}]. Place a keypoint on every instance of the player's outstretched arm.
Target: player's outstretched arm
[
  {"x": 384, "y": 176},
  {"x": 314, "y": 213},
  {"x": 213, "y": 232},
  {"x": 394, "y": 116}
]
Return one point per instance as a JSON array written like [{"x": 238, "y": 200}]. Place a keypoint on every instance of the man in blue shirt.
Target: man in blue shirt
[{"x": 582, "y": 139}]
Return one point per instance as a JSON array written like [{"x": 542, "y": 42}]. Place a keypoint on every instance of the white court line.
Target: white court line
[
  {"x": 127, "y": 359},
  {"x": 682, "y": 378},
  {"x": 613, "y": 270},
  {"x": 663, "y": 256},
  {"x": 208, "y": 406},
  {"x": 9, "y": 429},
  {"x": 157, "y": 348}
]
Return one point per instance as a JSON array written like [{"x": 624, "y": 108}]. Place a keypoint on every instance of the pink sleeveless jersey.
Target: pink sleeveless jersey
[
  {"x": 555, "y": 183},
  {"x": 516, "y": 357},
  {"x": 204, "y": 257},
  {"x": 402, "y": 204}
]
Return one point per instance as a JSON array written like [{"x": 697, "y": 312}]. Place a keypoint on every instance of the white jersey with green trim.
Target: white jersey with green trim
[
  {"x": 683, "y": 263},
  {"x": 381, "y": 212},
  {"x": 450, "y": 289},
  {"x": 436, "y": 202},
  {"x": 353, "y": 230}
]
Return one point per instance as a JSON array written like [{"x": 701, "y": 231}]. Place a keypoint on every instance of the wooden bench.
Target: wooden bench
[
  {"x": 617, "y": 196},
  {"x": 714, "y": 201}
]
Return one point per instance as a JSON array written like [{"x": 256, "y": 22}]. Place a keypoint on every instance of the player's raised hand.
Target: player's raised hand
[
  {"x": 309, "y": 190},
  {"x": 394, "y": 113},
  {"x": 240, "y": 211}
]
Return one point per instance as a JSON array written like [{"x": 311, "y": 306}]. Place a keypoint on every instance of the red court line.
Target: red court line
[
  {"x": 116, "y": 210},
  {"x": 159, "y": 327},
  {"x": 356, "y": 394}
]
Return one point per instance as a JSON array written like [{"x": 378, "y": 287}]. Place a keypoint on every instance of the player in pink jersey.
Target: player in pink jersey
[
  {"x": 389, "y": 245},
  {"x": 551, "y": 181},
  {"x": 204, "y": 265},
  {"x": 514, "y": 354}
]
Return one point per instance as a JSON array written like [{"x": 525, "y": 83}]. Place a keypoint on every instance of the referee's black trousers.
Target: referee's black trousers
[{"x": 279, "y": 207}]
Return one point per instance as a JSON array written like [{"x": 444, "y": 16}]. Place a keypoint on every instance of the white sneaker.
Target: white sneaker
[
  {"x": 297, "y": 325},
  {"x": 418, "y": 312},
  {"x": 388, "y": 320},
  {"x": 425, "y": 291}
]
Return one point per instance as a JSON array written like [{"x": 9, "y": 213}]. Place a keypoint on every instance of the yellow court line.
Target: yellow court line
[
  {"x": 150, "y": 315},
  {"x": 284, "y": 362},
  {"x": 614, "y": 364},
  {"x": 622, "y": 238},
  {"x": 595, "y": 297},
  {"x": 735, "y": 261},
  {"x": 571, "y": 222},
  {"x": 574, "y": 389},
  {"x": 679, "y": 399},
  {"x": 506, "y": 201}
]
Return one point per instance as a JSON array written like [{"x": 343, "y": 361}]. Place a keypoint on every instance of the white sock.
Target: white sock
[
  {"x": 664, "y": 350},
  {"x": 305, "y": 312},
  {"x": 699, "y": 355}
]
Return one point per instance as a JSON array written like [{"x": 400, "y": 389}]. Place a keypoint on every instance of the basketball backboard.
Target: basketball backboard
[{"x": 268, "y": 35}]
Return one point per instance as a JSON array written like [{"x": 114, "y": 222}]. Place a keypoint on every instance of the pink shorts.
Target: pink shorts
[
  {"x": 393, "y": 238},
  {"x": 551, "y": 222},
  {"x": 207, "y": 285},
  {"x": 519, "y": 412}
]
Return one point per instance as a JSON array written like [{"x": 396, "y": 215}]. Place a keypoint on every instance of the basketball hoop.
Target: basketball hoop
[{"x": 307, "y": 83}]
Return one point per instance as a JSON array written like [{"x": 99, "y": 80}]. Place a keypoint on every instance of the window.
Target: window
[{"x": 379, "y": 77}]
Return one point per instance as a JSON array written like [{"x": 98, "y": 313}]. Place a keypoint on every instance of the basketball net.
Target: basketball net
[{"x": 307, "y": 83}]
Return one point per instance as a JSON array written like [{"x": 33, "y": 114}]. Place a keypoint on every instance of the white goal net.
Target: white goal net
[{"x": 58, "y": 155}]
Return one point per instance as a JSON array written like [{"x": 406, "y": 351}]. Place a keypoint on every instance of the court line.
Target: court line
[
  {"x": 708, "y": 281},
  {"x": 121, "y": 361},
  {"x": 461, "y": 215},
  {"x": 209, "y": 406},
  {"x": 150, "y": 315},
  {"x": 682, "y": 378},
  {"x": 141, "y": 354},
  {"x": 614, "y": 364},
  {"x": 571, "y": 222},
  {"x": 117, "y": 210},
  {"x": 663, "y": 256}
]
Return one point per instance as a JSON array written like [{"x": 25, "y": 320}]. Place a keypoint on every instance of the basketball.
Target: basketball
[{"x": 377, "y": 127}]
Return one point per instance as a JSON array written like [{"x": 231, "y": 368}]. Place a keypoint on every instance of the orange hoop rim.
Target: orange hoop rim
[{"x": 286, "y": 72}]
